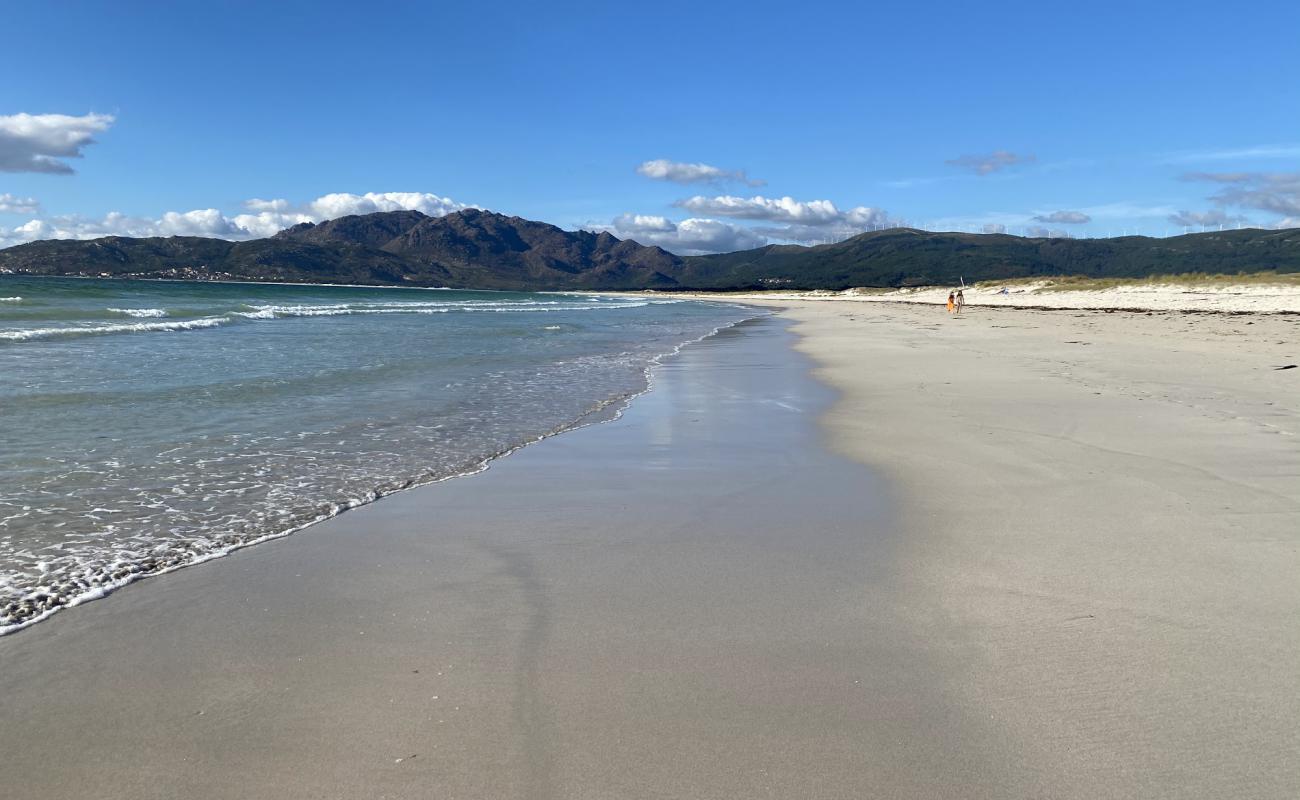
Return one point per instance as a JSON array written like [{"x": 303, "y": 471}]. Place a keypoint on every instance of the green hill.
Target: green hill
[
  {"x": 908, "y": 257},
  {"x": 482, "y": 250}
]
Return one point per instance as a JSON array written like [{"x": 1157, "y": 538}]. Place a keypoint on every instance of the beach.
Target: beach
[
  {"x": 1262, "y": 293},
  {"x": 1105, "y": 507},
  {"x": 849, "y": 550}
]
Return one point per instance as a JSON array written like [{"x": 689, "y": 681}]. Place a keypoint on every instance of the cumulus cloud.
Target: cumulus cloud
[
  {"x": 782, "y": 219},
  {"x": 262, "y": 218},
  {"x": 40, "y": 142},
  {"x": 776, "y": 209},
  {"x": 267, "y": 217},
  {"x": 811, "y": 213},
  {"x": 643, "y": 224},
  {"x": 687, "y": 238},
  {"x": 790, "y": 219},
  {"x": 989, "y": 163},
  {"x": 200, "y": 222},
  {"x": 661, "y": 169},
  {"x": 11, "y": 204},
  {"x": 1066, "y": 217},
  {"x": 342, "y": 204},
  {"x": 1274, "y": 192}
]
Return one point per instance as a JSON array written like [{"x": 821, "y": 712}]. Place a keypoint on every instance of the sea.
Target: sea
[{"x": 149, "y": 425}]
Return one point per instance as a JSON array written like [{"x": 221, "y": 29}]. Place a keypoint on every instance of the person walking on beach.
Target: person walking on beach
[
  {"x": 952, "y": 302},
  {"x": 961, "y": 300}
]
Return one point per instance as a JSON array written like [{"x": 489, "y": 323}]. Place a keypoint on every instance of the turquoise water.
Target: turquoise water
[{"x": 145, "y": 426}]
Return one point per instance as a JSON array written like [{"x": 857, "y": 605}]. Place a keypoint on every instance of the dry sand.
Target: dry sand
[
  {"x": 1103, "y": 512},
  {"x": 1090, "y": 591},
  {"x": 1212, "y": 294}
]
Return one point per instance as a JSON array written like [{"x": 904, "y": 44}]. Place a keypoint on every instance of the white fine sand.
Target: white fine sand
[
  {"x": 1102, "y": 516},
  {"x": 1282, "y": 297}
]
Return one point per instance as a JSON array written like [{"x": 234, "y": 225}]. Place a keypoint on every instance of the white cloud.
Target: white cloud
[
  {"x": 11, "y": 204},
  {"x": 1039, "y": 232},
  {"x": 32, "y": 229},
  {"x": 201, "y": 222},
  {"x": 341, "y": 204},
  {"x": 1006, "y": 220},
  {"x": 989, "y": 163},
  {"x": 993, "y": 227},
  {"x": 644, "y": 224},
  {"x": 267, "y": 217},
  {"x": 811, "y": 213},
  {"x": 795, "y": 220},
  {"x": 39, "y": 142},
  {"x": 263, "y": 218},
  {"x": 258, "y": 205},
  {"x": 712, "y": 236},
  {"x": 1123, "y": 210},
  {"x": 1198, "y": 219},
  {"x": 661, "y": 169},
  {"x": 782, "y": 209},
  {"x": 788, "y": 220},
  {"x": 1274, "y": 192},
  {"x": 687, "y": 238},
  {"x": 1066, "y": 217}
]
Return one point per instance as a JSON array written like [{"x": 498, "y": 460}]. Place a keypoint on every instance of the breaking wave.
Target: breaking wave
[{"x": 258, "y": 312}]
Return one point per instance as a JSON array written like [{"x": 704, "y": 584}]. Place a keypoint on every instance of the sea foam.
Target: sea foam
[
  {"x": 28, "y": 334},
  {"x": 141, "y": 313},
  {"x": 168, "y": 451}
]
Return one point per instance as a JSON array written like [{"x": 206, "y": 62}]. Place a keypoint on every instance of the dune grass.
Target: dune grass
[{"x": 1080, "y": 283}]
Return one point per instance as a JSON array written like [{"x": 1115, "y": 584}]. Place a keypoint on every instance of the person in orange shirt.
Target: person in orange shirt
[{"x": 952, "y": 302}]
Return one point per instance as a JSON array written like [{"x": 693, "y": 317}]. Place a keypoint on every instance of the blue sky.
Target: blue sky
[{"x": 804, "y": 122}]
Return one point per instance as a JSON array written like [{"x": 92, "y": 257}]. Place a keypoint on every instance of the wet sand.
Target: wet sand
[{"x": 691, "y": 601}]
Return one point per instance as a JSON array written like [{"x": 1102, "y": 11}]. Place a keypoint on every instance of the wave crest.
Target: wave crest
[
  {"x": 143, "y": 313},
  {"x": 99, "y": 330}
]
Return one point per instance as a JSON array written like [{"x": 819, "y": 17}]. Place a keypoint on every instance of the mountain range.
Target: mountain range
[{"x": 484, "y": 250}]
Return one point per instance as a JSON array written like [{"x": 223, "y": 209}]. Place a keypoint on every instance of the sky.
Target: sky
[{"x": 700, "y": 127}]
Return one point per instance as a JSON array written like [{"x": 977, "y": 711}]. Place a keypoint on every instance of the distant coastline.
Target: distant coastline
[{"x": 474, "y": 249}]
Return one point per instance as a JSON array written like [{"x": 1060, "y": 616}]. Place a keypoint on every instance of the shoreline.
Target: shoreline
[
  {"x": 621, "y": 609},
  {"x": 598, "y": 414},
  {"x": 1076, "y": 579}
]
